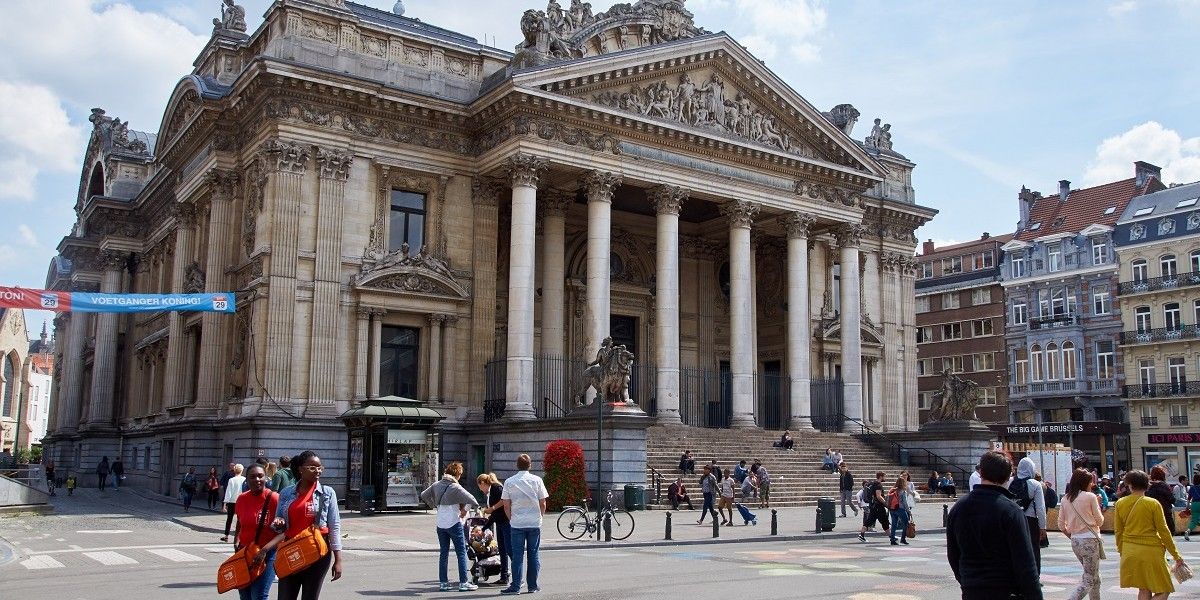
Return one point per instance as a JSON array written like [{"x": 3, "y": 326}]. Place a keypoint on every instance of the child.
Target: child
[
  {"x": 482, "y": 540},
  {"x": 71, "y": 484}
]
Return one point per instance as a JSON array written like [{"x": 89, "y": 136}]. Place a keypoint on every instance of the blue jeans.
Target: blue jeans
[
  {"x": 525, "y": 539},
  {"x": 261, "y": 588},
  {"x": 445, "y": 536},
  {"x": 708, "y": 507},
  {"x": 899, "y": 522}
]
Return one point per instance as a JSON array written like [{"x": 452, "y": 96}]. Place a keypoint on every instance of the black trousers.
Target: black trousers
[
  {"x": 1035, "y": 536},
  {"x": 306, "y": 585},
  {"x": 991, "y": 594},
  {"x": 228, "y": 517}
]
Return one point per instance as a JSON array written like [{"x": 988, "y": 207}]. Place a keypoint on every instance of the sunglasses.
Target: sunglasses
[{"x": 313, "y": 468}]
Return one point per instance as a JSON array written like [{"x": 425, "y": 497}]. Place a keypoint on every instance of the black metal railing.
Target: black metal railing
[
  {"x": 1054, "y": 321},
  {"x": 1162, "y": 390},
  {"x": 705, "y": 397},
  {"x": 910, "y": 455},
  {"x": 1160, "y": 334},
  {"x": 828, "y": 404},
  {"x": 1180, "y": 280},
  {"x": 1149, "y": 421},
  {"x": 774, "y": 401},
  {"x": 1179, "y": 420},
  {"x": 657, "y": 480}
]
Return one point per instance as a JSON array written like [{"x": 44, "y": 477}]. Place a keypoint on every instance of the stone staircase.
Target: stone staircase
[{"x": 796, "y": 476}]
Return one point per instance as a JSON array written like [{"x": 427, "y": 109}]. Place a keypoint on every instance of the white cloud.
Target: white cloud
[
  {"x": 1179, "y": 157},
  {"x": 35, "y": 136},
  {"x": 1118, "y": 9},
  {"x": 768, "y": 26},
  {"x": 27, "y": 235}
]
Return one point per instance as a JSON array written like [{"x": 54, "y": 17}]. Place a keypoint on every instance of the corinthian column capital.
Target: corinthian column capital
[
  {"x": 741, "y": 214},
  {"x": 525, "y": 170},
  {"x": 601, "y": 185},
  {"x": 668, "y": 199},
  {"x": 288, "y": 157},
  {"x": 223, "y": 183},
  {"x": 850, "y": 235},
  {"x": 556, "y": 202},
  {"x": 334, "y": 163},
  {"x": 798, "y": 225}
]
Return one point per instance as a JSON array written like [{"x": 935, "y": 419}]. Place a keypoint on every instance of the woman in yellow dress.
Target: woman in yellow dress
[{"x": 1142, "y": 536}]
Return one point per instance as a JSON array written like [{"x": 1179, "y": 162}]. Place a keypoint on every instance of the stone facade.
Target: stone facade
[
  {"x": 14, "y": 378},
  {"x": 403, "y": 211},
  {"x": 1158, "y": 241}
]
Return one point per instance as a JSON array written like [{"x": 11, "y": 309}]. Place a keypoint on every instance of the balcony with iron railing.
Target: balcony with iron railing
[
  {"x": 1179, "y": 420},
  {"x": 1149, "y": 421},
  {"x": 1058, "y": 388},
  {"x": 1160, "y": 334},
  {"x": 1162, "y": 390},
  {"x": 1063, "y": 320},
  {"x": 1141, "y": 286}
]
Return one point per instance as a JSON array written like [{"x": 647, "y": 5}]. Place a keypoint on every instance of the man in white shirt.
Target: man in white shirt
[
  {"x": 524, "y": 501},
  {"x": 976, "y": 479}
]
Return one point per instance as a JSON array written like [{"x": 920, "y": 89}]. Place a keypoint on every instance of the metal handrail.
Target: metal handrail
[
  {"x": 657, "y": 478},
  {"x": 933, "y": 458}
]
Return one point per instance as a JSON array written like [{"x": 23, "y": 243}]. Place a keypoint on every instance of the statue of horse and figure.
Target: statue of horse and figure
[
  {"x": 609, "y": 374},
  {"x": 956, "y": 400}
]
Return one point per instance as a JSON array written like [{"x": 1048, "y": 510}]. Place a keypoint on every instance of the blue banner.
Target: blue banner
[{"x": 222, "y": 302}]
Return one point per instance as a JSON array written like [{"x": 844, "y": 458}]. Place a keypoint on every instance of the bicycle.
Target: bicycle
[{"x": 575, "y": 521}]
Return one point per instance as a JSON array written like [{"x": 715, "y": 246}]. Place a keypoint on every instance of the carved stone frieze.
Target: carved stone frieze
[
  {"x": 485, "y": 192},
  {"x": 668, "y": 199},
  {"x": 524, "y": 170},
  {"x": 284, "y": 156},
  {"x": 601, "y": 185},
  {"x": 547, "y": 130},
  {"x": 334, "y": 163},
  {"x": 193, "y": 278},
  {"x": 740, "y": 213},
  {"x": 413, "y": 282},
  {"x": 798, "y": 225},
  {"x": 368, "y": 127},
  {"x": 255, "y": 181},
  {"x": 701, "y": 248}
]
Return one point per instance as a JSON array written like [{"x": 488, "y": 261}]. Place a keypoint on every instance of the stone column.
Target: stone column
[
  {"x": 56, "y": 384},
  {"x": 435, "y": 358},
  {"x": 799, "y": 324},
  {"x": 376, "y": 344},
  {"x": 891, "y": 390},
  {"x": 907, "y": 292},
  {"x": 554, "y": 272},
  {"x": 600, "y": 188},
  {"x": 668, "y": 201},
  {"x": 104, "y": 364},
  {"x": 741, "y": 311},
  {"x": 177, "y": 379},
  {"x": 485, "y": 195},
  {"x": 450, "y": 371},
  {"x": 849, "y": 237},
  {"x": 524, "y": 171},
  {"x": 286, "y": 163},
  {"x": 334, "y": 169},
  {"x": 363, "y": 353},
  {"x": 77, "y": 326},
  {"x": 214, "y": 364}
]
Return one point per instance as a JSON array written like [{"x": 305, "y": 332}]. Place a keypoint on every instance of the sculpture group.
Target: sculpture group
[
  {"x": 559, "y": 34},
  {"x": 609, "y": 374},
  {"x": 956, "y": 401}
]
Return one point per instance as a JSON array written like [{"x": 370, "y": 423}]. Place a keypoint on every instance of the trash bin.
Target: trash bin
[
  {"x": 635, "y": 497},
  {"x": 826, "y": 514},
  {"x": 903, "y": 457}
]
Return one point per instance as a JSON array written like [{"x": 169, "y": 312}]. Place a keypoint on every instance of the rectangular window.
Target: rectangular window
[
  {"x": 924, "y": 334},
  {"x": 950, "y": 266},
  {"x": 983, "y": 362},
  {"x": 1179, "y": 415},
  {"x": 407, "y": 225},
  {"x": 1054, "y": 257},
  {"x": 926, "y": 270},
  {"x": 924, "y": 400},
  {"x": 1058, "y": 302},
  {"x": 954, "y": 363},
  {"x": 950, "y": 300},
  {"x": 1105, "y": 362},
  {"x": 1099, "y": 252},
  {"x": 1146, "y": 375},
  {"x": 922, "y": 304},
  {"x": 1178, "y": 374},
  {"x": 1021, "y": 367},
  {"x": 1149, "y": 415},
  {"x": 952, "y": 331},
  {"x": 983, "y": 260},
  {"x": 987, "y": 396},
  {"x": 981, "y": 327},
  {"x": 1018, "y": 266},
  {"x": 1101, "y": 301},
  {"x": 981, "y": 296},
  {"x": 398, "y": 361},
  {"x": 1171, "y": 316},
  {"x": 925, "y": 366},
  {"x": 1019, "y": 314}
]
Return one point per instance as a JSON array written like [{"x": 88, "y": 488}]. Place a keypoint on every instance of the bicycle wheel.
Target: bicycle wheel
[
  {"x": 622, "y": 524},
  {"x": 572, "y": 523}
]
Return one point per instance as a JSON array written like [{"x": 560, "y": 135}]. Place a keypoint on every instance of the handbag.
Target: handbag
[
  {"x": 1181, "y": 571},
  {"x": 911, "y": 530},
  {"x": 239, "y": 571},
  {"x": 300, "y": 552}
]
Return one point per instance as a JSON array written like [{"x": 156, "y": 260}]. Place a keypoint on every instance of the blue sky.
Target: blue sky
[{"x": 984, "y": 96}]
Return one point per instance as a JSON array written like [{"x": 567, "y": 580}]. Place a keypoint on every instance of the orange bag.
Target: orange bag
[
  {"x": 296, "y": 554},
  {"x": 239, "y": 571}
]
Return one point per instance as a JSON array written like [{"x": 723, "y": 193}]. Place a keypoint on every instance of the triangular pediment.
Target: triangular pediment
[{"x": 709, "y": 86}]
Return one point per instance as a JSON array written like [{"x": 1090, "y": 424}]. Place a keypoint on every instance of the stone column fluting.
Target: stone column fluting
[
  {"x": 435, "y": 358},
  {"x": 799, "y": 321},
  {"x": 450, "y": 370},
  {"x": 741, "y": 323},
  {"x": 362, "y": 341},
  {"x": 214, "y": 327},
  {"x": 376, "y": 344},
  {"x": 104, "y": 364},
  {"x": 77, "y": 328},
  {"x": 524, "y": 171},
  {"x": 177, "y": 378},
  {"x": 668, "y": 201},
  {"x": 600, "y": 189},
  {"x": 554, "y": 219},
  {"x": 485, "y": 195},
  {"x": 849, "y": 236},
  {"x": 333, "y": 169}
]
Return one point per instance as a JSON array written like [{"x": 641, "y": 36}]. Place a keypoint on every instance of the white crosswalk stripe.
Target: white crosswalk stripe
[
  {"x": 174, "y": 555},
  {"x": 36, "y": 563},
  {"x": 110, "y": 559}
]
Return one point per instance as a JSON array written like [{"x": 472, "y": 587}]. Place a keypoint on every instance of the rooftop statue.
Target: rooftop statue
[
  {"x": 559, "y": 34},
  {"x": 233, "y": 18},
  {"x": 880, "y": 138},
  {"x": 609, "y": 374}
]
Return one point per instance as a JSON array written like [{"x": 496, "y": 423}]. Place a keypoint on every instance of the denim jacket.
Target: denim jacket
[{"x": 328, "y": 519}]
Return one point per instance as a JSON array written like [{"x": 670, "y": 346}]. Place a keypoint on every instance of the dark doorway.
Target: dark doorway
[
  {"x": 398, "y": 365},
  {"x": 623, "y": 331},
  {"x": 721, "y": 405},
  {"x": 772, "y": 408}
]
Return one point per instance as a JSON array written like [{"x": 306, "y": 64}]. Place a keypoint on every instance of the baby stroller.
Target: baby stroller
[
  {"x": 482, "y": 550},
  {"x": 747, "y": 516}
]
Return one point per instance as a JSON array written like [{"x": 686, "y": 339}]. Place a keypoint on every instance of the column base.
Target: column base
[
  {"x": 800, "y": 424},
  {"x": 668, "y": 417},
  {"x": 519, "y": 412},
  {"x": 743, "y": 422}
]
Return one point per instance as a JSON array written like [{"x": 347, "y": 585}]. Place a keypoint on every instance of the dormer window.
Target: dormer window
[
  {"x": 1018, "y": 266},
  {"x": 1054, "y": 257},
  {"x": 1099, "y": 251},
  {"x": 1035, "y": 226}
]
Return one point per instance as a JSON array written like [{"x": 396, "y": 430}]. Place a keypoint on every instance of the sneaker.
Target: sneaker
[
  {"x": 510, "y": 590},
  {"x": 903, "y": 541},
  {"x": 445, "y": 587},
  {"x": 502, "y": 581},
  {"x": 895, "y": 543},
  {"x": 862, "y": 538},
  {"x": 467, "y": 586}
]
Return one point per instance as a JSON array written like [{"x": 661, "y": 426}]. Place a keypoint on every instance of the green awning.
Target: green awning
[{"x": 394, "y": 410}]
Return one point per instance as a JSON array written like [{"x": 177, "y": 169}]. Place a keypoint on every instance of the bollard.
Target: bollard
[
  {"x": 775, "y": 521},
  {"x": 607, "y": 528},
  {"x": 945, "y": 514},
  {"x": 668, "y": 534},
  {"x": 818, "y": 530},
  {"x": 716, "y": 528}
]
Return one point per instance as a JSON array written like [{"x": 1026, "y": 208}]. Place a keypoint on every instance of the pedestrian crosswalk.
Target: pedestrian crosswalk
[{"x": 123, "y": 557}]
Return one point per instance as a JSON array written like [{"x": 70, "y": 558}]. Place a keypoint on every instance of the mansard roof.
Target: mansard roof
[
  {"x": 1177, "y": 199},
  {"x": 1099, "y": 205},
  {"x": 410, "y": 25}
]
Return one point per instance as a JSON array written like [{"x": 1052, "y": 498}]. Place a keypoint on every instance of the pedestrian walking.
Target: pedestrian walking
[
  {"x": 233, "y": 489},
  {"x": 1160, "y": 490},
  {"x": 283, "y": 477},
  {"x": 102, "y": 471},
  {"x": 708, "y": 489},
  {"x": 49, "y": 468},
  {"x": 187, "y": 488},
  {"x": 1194, "y": 506},
  {"x": 524, "y": 500},
  {"x": 987, "y": 540},
  {"x": 1180, "y": 490},
  {"x": 846, "y": 488},
  {"x": 71, "y": 481},
  {"x": 271, "y": 470},
  {"x": 306, "y": 504},
  {"x": 1032, "y": 502},
  {"x": 1079, "y": 518},
  {"x": 493, "y": 490},
  {"x": 118, "y": 472},
  {"x": 212, "y": 488},
  {"x": 726, "y": 502},
  {"x": 255, "y": 508},
  {"x": 764, "y": 484},
  {"x": 1142, "y": 537},
  {"x": 451, "y": 500},
  {"x": 876, "y": 511},
  {"x": 900, "y": 509}
]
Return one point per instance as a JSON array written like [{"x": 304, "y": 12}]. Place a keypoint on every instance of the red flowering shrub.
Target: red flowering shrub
[{"x": 565, "y": 474}]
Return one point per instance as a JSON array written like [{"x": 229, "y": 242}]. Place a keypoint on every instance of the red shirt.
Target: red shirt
[
  {"x": 248, "y": 509},
  {"x": 301, "y": 514}
]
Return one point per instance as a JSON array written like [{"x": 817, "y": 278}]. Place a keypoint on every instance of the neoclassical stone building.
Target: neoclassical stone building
[{"x": 403, "y": 211}]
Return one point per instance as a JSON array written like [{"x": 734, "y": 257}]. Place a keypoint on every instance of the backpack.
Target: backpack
[
  {"x": 893, "y": 499},
  {"x": 1020, "y": 488}
]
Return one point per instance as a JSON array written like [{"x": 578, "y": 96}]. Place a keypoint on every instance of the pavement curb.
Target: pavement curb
[{"x": 176, "y": 519}]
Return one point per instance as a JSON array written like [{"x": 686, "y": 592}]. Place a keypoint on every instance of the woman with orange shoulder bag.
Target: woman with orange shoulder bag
[
  {"x": 309, "y": 532},
  {"x": 255, "y": 508}
]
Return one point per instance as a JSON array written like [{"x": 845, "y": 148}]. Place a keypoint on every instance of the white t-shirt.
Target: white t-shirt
[
  {"x": 975, "y": 480},
  {"x": 233, "y": 489},
  {"x": 526, "y": 491},
  {"x": 727, "y": 487},
  {"x": 448, "y": 516}
]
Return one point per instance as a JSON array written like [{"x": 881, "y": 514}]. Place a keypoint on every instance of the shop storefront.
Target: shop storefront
[
  {"x": 393, "y": 454},
  {"x": 1105, "y": 444},
  {"x": 1177, "y": 452}
]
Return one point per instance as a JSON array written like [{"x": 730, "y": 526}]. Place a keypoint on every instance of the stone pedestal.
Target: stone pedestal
[{"x": 959, "y": 443}]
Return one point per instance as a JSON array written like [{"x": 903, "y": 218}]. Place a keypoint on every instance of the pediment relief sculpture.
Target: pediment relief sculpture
[
  {"x": 703, "y": 99},
  {"x": 398, "y": 270},
  {"x": 562, "y": 34}
]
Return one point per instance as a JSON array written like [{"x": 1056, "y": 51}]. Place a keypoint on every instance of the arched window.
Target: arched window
[
  {"x": 1069, "y": 361},
  {"x": 10, "y": 387},
  {"x": 1141, "y": 318},
  {"x": 1167, "y": 267},
  {"x": 96, "y": 181},
  {"x": 1172, "y": 317},
  {"x": 1051, "y": 362},
  {"x": 1141, "y": 270},
  {"x": 1038, "y": 372}
]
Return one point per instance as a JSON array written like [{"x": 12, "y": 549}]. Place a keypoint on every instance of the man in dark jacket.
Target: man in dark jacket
[
  {"x": 846, "y": 488},
  {"x": 987, "y": 540}
]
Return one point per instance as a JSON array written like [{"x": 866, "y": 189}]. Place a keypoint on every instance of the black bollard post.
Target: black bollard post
[
  {"x": 607, "y": 528},
  {"x": 668, "y": 535},
  {"x": 818, "y": 530},
  {"x": 716, "y": 528},
  {"x": 945, "y": 514},
  {"x": 775, "y": 522}
]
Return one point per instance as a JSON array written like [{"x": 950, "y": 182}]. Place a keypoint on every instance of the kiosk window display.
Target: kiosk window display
[
  {"x": 393, "y": 453},
  {"x": 412, "y": 465}
]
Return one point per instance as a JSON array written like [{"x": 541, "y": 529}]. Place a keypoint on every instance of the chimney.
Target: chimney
[
  {"x": 1025, "y": 201},
  {"x": 1064, "y": 190},
  {"x": 927, "y": 247},
  {"x": 985, "y": 236},
  {"x": 1143, "y": 171}
]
